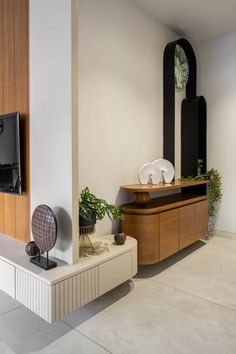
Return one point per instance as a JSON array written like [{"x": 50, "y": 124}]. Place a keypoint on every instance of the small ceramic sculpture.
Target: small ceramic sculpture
[{"x": 120, "y": 238}]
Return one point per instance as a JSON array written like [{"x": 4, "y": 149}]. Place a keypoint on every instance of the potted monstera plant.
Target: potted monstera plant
[{"x": 92, "y": 209}]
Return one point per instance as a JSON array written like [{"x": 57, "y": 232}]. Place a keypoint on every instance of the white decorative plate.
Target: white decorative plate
[
  {"x": 149, "y": 172},
  {"x": 166, "y": 168}
]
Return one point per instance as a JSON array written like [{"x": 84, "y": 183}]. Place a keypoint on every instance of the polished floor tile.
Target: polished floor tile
[
  {"x": 72, "y": 343},
  {"x": 222, "y": 248},
  {"x": 153, "y": 318},
  {"x": 184, "y": 305},
  {"x": 209, "y": 273},
  {"x": 7, "y": 303},
  {"x": 149, "y": 271},
  {"x": 23, "y": 332},
  {"x": 4, "y": 349}
]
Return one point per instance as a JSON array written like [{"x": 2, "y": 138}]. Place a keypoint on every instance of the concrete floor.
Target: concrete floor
[{"x": 186, "y": 304}]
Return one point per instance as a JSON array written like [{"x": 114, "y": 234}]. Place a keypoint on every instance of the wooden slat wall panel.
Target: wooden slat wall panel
[
  {"x": 8, "y": 99},
  {"x": 1, "y": 56},
  {"x": 1, "y": 212},
  {"x": 14, "y": 96},
  {"x": 22, "y": 218},
  {"x": 22, "y": 75},
  {"x": 10, "y": 215},
  {"x": 22, "y": 102},
  {"x": 1, "y": 104},
  {"x": 8, "y": 56}
]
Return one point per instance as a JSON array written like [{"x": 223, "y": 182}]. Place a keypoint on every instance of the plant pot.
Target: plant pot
[
  {"x": 211, "y": 227},
  {"x": 86, "y": 227},
  {"x": 85, "y": 222},
  {"x": 86, "y": 247}
]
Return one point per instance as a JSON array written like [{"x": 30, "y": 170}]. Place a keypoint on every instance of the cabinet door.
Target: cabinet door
[
  {"x": 201, "y": 219},
  {"x": 145, "y": 228},
  {"x": 169, "y": 233},
  {"x": 114, "y": 272},
  {"x": 7, "y": 278},
  {"x": 186, "y": 226}
]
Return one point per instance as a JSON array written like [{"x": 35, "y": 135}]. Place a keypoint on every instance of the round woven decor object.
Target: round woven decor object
[
  {"x": 44, "y": 228},
  {"x": 31, "y": 249}
]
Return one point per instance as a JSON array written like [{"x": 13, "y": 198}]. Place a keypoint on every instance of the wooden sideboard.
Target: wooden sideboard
[{"x": 166, "y": 224}]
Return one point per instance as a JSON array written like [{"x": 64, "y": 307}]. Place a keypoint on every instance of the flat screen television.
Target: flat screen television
[{"x": 10, "y": 153}]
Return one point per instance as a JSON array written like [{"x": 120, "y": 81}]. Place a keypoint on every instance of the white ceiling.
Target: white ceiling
[{"x": 197, "y": 19}]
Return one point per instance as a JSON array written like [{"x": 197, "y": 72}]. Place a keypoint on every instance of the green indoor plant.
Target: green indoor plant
[
  {"x": 199, "y": 167},
  {"x": 92, "y": 209},
  {"x": 214, "y": 197},
  {"x": 215, "y": 193}
]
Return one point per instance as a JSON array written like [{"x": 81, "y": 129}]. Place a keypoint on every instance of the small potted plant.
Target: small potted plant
[{"x": 92, "y": 209}]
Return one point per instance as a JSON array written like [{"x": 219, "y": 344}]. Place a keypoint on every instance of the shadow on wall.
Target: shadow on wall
[
  {"x": 122, "y": 198},
  {"x": 64, "y": 224}
]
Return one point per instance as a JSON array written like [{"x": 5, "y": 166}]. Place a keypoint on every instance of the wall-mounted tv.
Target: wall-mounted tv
[{"x": 10, "y": 153}]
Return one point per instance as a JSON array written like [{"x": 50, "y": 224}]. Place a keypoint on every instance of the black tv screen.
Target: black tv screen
[{"x": 10, "y": 153}]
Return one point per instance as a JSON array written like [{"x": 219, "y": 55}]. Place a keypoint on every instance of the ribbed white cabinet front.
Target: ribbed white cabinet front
[
  {"x": 74, "y": 292},
  {"x": 7, "y": 278},
  {"x": 54, "y": 294},
  {"x": 35, "y": 294},
  {"x": 53, "y": 302}
]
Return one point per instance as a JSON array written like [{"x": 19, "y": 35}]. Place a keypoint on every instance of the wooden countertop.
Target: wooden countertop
[
  {"x": 161, "y": 186},
  {"x": 161, "y": 204}
]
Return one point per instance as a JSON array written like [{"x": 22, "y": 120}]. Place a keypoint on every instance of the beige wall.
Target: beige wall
[
  {"x": 217, "y": 73},
  {"x": 52, "y": 130},
  {"x": 120, "y": 95}
]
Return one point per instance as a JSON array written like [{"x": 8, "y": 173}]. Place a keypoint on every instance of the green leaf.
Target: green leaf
[{"x": 90, "y": 206}]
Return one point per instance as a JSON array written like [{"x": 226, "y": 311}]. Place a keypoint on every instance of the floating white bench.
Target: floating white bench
[{"x": 54, "y": 293}]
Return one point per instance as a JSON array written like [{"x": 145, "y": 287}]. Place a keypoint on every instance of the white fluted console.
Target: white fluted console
[{"x": 55, "y": 293}]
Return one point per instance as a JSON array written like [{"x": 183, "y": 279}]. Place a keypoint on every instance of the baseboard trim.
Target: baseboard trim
[{"x": 225, "y": 234}]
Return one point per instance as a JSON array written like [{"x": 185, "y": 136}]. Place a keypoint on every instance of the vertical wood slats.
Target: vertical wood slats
[
  {"x": 1, "y": 104},
  {"x": 14, "y": 96}
]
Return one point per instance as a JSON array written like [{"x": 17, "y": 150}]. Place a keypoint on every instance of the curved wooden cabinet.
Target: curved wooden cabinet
[
  {"x": 169, "y": 233},
  {"x": 145, "y": 229},
  {"x": 187, "y": 233},
  {"x": 165, "y": 225}
]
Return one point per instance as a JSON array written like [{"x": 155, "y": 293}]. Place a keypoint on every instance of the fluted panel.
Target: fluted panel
[
  {"x": 54, "y": 300},
  {"x": 74, "y": 292},
  {"x": 34, "y": 294}
]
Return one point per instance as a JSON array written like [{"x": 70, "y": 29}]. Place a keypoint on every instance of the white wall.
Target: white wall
[
  {"x": 217, "y": 74},
  {"x": 120, "y": 95},
  {"x": 51, "y": 116}
]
